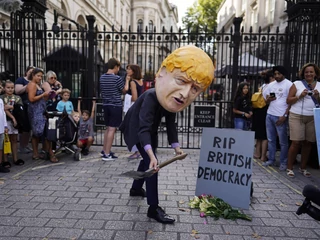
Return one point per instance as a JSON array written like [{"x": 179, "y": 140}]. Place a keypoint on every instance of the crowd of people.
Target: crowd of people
[
  {"x": 23, "y": 112},
  {"x": 289, "y": 108}
]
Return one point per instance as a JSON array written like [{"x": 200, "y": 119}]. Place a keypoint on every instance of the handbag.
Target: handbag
[
  {"x": 257, "y": 99},
  {"x": 6, "y": 144},
  {"x": 127, "y": 102}
]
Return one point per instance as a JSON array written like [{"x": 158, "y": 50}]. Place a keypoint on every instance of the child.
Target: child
[
  {"x": 64, "y": 102},
  {"x": 85, "y": 132},
  {"x": 75, "y": 116},
  {"x": 182, "y": 77},
  {"x": 242, "y": 107},
  {"x": 3, "y": 130},
  {"x": 10, "y": 100}
]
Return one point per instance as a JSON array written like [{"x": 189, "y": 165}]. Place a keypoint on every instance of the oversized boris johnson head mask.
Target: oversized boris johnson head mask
[{"x": 183, "y": 75}]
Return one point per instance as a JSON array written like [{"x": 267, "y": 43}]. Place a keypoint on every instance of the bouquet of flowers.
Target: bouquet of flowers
[{"x": 216, "y": 207}]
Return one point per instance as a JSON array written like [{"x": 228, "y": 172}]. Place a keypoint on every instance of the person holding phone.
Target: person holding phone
[
  {"x": 277, "y": 116},
  {"x": 54, "y": 87}
]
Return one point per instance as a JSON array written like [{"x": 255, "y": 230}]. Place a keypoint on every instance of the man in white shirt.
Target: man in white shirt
[{"x": 277, "y": 116}]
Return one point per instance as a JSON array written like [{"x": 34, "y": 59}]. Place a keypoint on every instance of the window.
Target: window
[
  {"x": 139, "y": 62},
  {"x": 150, "y": 63},
  {"x": 150, "y": 27},
  {"x": 271, "y": 11},
  {"x": 244, "y": 5},
  {"x": 254, "y": 19},
  {"x": 140, "y": 26},
  {"x": 115, "y": 6},
  {"x": 266, "y": 9}
]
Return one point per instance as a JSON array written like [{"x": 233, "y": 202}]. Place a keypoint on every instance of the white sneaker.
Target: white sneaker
[{"x": 107, "y": 157}]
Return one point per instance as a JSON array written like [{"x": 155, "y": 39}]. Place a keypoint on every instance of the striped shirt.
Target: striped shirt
[{"x": 111, "y": 86}]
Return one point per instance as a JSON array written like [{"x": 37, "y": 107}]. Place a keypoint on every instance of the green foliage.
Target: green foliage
[
  {"x": 10, "y": 5},
  {"x": 216, "y": 208},
  {"x": 202, "y": 14}
]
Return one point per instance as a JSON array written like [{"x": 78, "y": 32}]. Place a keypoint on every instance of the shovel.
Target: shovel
[{"x": 139, "y": 175}]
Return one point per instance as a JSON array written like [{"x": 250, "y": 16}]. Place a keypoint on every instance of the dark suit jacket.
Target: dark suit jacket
[{"x": 140, "y": 124}]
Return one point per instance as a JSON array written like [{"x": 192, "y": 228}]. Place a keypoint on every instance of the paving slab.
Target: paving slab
[{"x": 88, "y": 200}]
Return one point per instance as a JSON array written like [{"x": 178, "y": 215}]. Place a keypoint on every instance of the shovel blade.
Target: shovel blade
[{"x": 137, "y": 174}]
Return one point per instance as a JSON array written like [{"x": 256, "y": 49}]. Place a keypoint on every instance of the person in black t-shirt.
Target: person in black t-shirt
[{"x": 242, "y": 107}]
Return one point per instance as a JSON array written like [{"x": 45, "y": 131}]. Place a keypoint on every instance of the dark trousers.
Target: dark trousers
[
  {"x": 151, "y": 182},
  {"x": 312, "y": 193}
]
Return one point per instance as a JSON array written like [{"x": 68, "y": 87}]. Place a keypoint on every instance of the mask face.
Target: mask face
[{"x": 175, "y": 91}]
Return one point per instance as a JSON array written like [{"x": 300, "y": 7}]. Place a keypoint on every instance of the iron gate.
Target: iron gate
[{"x": 78, "y": 56}]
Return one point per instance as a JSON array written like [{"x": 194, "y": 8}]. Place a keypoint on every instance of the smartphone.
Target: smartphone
[
  {"x": 52, "y": 94},
  {"x": 272, "y": 94}
]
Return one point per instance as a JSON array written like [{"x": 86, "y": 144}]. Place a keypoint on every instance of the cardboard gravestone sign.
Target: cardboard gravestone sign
[
  {"x": 316, "y": 112},
  {"x": 204, "y": 116},
  {"x": 225, "y": 165},
  {"x": 99, "y": 117}
]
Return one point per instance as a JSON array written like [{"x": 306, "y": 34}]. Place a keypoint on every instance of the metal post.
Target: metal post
[
  {"x": 236, "y": 39},
  {"x": 91, "y": 61}
]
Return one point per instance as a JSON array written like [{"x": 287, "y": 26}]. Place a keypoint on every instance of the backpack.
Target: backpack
[{"x": 257, "y": 99}]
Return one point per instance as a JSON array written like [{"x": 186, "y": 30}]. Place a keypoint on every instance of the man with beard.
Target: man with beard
[
  {"x": 183, "y": 75},
  {"x": 277, "y": 116}
]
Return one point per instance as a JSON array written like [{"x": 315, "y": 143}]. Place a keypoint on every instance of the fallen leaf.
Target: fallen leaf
[
  {"x": 268, "y": 190},
  {"x": 60, "y": 178},
  {"x": 255, "y": 235},
  {"x": 181, "y": 202},
  {"x": 282, "y": 205},
  {"x": 298, "y": 203},
  {"x": 150, "y": 232},
  {"x": 1, "y": 182},
  {"x": 165, "y": 193},
  {"x": 184, "y": 209},
  {"x": 194, "y": 232},
  {"x": 228, "y": 233}
]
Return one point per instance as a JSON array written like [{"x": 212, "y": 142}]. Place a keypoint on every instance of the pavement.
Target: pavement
[{"x": 88, "y": 200}]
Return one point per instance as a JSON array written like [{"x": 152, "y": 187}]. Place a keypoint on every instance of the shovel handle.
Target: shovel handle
[{"x": 167, "y": 162}]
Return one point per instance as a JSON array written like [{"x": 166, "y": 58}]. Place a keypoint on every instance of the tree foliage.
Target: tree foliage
[
  {"x": 10, "y": 5},
  {"x": 202, "y": 14}
]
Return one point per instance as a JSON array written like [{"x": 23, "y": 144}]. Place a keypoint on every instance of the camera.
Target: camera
[
  {"x": 272, "y": 94},
  {"x": 310, "y": 93}
]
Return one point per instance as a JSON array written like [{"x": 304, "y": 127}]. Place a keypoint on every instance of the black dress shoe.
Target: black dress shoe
[
  {"x": 304, "y": 207},
  {"x": 138, "y": 192},
  {"x": 4, "y": 169},
  {"x": 160, "y": 216}
]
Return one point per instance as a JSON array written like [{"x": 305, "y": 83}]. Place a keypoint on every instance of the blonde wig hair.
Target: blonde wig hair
[{"x": 192, "y": 60}]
